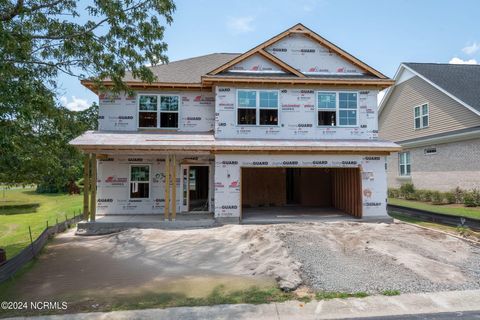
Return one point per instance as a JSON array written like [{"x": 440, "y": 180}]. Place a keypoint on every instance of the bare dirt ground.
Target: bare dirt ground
[{"x": 326, "y": 256}]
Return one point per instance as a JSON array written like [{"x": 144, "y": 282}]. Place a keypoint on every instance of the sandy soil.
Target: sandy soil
[{"x": 193, "y": 262}]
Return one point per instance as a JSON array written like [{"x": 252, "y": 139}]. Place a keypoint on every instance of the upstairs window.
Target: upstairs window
[
  {"x": 421, "y": 115},
  {"x": 347, "y": 108},
  {"x": 337, "y": 108},
  {"x": 257, "y": 107},
  {"x": 139, "y": 181},
  {"x": 327, "y": 109},
  {"x": 158, "y": 111},
  {"x": 404, "y": 163},
  {"x": 268, "y": 108},
  {"x": 147, "y": 111}
]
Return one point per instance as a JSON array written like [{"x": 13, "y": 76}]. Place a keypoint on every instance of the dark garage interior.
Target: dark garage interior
[{"x": 336, "y": 188}]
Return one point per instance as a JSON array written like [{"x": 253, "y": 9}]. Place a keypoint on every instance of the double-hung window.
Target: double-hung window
[
  {"x": 158, "y": 111},
  {"x": 147, "y": 111},
  {"x": 337, "y": 108},
  {"x": 421, "y": 116},
  {"x": 347, "y": 108},
  {"x": 139, "y": 181},
  {"x": 327, "y": 108},
  {"x": 257, "y": 107},
  {"x": 404, "y": 163}
]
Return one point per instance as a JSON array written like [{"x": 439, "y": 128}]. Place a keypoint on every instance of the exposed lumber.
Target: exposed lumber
[
  {"x": 93, "y": 187},
  {"x": 167, "y": 187},
  {"x": 86, "y": 184},
  {"x": 280, "y": 63},
  {"x": 174, "y": 187}
]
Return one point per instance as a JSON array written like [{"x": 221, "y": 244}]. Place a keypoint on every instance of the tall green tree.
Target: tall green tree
[{"x": 98, "y": 39}]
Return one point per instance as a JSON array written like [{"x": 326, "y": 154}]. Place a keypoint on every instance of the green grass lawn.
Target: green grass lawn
[
  {"x": 20, "y": 208},
  {"x": 452, "y": 209}
]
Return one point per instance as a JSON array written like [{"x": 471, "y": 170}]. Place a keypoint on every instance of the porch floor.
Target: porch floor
[{"x": 117, "y": 222}]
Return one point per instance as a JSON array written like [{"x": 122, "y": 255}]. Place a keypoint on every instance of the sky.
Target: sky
[{"x": 382, "y": 33}]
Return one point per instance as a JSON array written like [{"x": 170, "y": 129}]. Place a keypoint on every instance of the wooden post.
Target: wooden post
[
  {"x": 167, "y": 187},
  {"x": 174, "y": 188},
  {"x": 86, "y": 184},
  {"x": 93, "y": 187}
]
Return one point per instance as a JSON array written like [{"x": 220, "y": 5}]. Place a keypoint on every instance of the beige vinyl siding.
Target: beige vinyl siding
[{"x": 396, "y": 122}]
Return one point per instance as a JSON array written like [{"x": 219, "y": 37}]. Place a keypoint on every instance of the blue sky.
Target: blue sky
[{"x": 382, "y": 33}]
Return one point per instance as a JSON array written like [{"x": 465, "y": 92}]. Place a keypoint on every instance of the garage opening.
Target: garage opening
[{"x": 302, "y": 190}]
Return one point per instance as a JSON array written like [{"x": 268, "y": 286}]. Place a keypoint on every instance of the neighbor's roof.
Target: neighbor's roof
[
  {"x": 188, "y": 70},
  {"x": 96, "y": 141},
  {"x": 459, "y": 81}
]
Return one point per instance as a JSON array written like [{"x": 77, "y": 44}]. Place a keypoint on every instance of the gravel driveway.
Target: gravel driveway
[{"x": 355, "y": 257}]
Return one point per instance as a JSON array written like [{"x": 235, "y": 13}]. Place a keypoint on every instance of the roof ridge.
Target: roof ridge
[
  {"x": 443, "y": 63},
  {"x": 191, "y": 58}
]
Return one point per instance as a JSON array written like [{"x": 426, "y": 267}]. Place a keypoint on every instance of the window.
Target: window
[
  {"x": 268, "y": 108},
  {"x": 347, "y": 108},
  {"x": 139, "y": 181},
  {"x": 429, "y": 151},
  {"x": 147, "y": 112},
  {"x": 247, "y": 107},
  {"x": 257, "y": 107},
  {"x": 421, "y": 116},
  {"x": 168, "y": 111},
  {"x": 151, "y": 116},
  {"x": 337, "y": 108},
  {"x": 327, "y": 109},
  {"x": 404, "y": 163}
]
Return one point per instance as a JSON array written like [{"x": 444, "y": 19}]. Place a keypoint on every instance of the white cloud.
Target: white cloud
[
  {"x": 240, "y": 24},
  {"x": 76, "y": 104},
  {"x": 471, "y": 49},
  {"x": 456, "y": 60}
]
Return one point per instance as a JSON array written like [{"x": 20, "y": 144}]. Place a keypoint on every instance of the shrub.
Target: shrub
[
  {"x": 407, "y": 190},
  {"x": 449, "y": 197},
  {"x": 458, "y": 193},
  {"x": 469, "y": 199},
  {"x": 393, "y": 193},
  {"x": 437, "y": 197},
  {"x": 428, "y": 195}
]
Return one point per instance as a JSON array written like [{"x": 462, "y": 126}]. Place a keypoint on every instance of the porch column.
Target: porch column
[
  {"x": 167, "y": 188},
  {"x": 86, "y": 184},
  {"x": 93, "y": 186},
  {"x": 174, "y": 188}
]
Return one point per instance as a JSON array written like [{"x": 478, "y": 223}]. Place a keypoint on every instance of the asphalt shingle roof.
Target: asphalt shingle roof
[
  {"x": 188, "y": 70},
  {"x": 460, "y": 80}
]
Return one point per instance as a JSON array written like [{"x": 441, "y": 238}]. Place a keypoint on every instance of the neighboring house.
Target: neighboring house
[
  {"x": 291, "y": 123},
  {"x": 433, "y": 112}
]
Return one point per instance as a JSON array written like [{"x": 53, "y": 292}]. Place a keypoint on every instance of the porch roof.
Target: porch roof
[{"x": 144, "y": 142}]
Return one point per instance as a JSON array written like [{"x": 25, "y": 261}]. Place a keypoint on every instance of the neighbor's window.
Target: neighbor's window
[
  {"x": 268, "y": 108},
  {"x": 327, "y": 109},
  {"x": 247, "y": 107},
  {"x": 421, "y": 116},
  {"x": 139, "y": 181},
  {"x": 257, "y": 107},
  {"x": 404, "y": 163},
  {"x": 150, "y": 115},
  {"x": 347, "y": 108},
  {"x": 147, "y": 112}
]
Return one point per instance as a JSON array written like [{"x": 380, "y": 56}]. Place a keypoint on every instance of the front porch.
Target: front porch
[{"x": 104, "y": 224}]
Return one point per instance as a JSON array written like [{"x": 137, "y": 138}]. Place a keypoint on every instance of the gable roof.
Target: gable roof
[
  {"x": 205, "y": 71},
  {"x": 461, "y": 82},
  {"x": 297, "y": 29}
]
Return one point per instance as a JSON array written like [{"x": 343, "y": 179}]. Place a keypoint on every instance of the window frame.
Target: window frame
[
  {"x": 406, "y": 164},
  {"x": 337, "y": 109},
  {"x": 158, "y": 111},
  {"x": 149, "y": 180},
  {"x": 257, "y": 108},
  {"x": 420, "y": 106}
]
